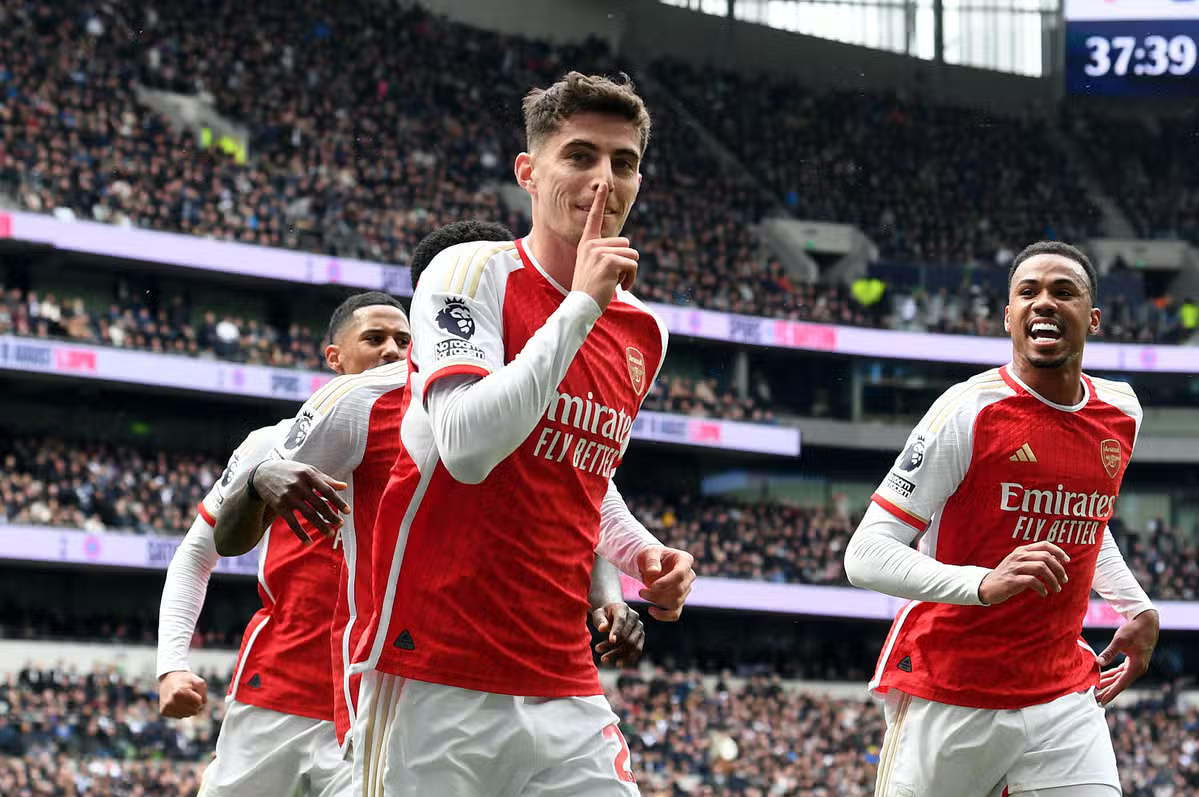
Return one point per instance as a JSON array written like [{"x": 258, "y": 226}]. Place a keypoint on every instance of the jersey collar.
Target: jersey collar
[{"x": 1018, "y": 385}]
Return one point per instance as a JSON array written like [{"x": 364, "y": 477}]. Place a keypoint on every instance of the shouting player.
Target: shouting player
[
  {"x": 1009, "y": 480},
  {"x": 278, "y": 734},
  {"x": 346, "y": 438},
  {"x": 530, "y": 366}
]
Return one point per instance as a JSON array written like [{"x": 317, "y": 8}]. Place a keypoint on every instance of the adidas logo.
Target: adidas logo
[
  {"x": 255, "y": 682},
  {"x": 1023, "y": 454},
  {"x": 404, "y": 641},
  {"x": 905, "y": 664}
]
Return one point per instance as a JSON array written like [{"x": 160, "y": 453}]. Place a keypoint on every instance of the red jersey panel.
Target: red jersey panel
[
  {"x": 349, "y": 430},
  {"x": 484, "y": 586},
  {"x": 284, "y": 663},
  {"x": 992, "y": 467}
]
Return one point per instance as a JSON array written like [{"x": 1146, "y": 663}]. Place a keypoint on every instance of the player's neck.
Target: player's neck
[
  {"x": 1062, "y": 385},
  {"x": 555, "y": 254}
]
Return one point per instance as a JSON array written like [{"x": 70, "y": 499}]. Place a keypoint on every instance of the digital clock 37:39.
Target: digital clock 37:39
[{"x": 1148, "y": 58}]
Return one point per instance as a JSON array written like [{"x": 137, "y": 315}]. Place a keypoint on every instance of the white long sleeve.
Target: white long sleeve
[
  {"x": 622, "y": 536},
  {"x": 478, "y": 421},
  {"x": 1115, "y": 583},
  {"x": 880, "y": 557},
  {"x": 183, "y": 596}
]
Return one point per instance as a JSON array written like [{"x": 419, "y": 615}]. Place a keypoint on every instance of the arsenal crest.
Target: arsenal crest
[
  {"x": 636, "y": 362},
  {"x": 1110, "y": 453}
]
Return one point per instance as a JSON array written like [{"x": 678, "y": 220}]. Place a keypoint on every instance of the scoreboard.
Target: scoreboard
[{"x": 1123, "y": 48}]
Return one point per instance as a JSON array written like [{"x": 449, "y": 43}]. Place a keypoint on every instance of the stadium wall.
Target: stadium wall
[
  {"x": 134, "y": 660},
  {"x": 642, "y": 30}
]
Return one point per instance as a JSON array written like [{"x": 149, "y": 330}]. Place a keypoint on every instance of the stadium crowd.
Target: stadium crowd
[
  {"x": 97, "y": 486},
  {"x": 170, "y": 324},
  {"x": 381, "y": 131},
  {"x": 97, "y": 734},
  {"x": 927, "y": 183},
  {"x": 706, "y": 397},
  {"x": 1155, "y": 176},
  {"x": 165, "y": 326},
  {"x": 140, "y": 626}
]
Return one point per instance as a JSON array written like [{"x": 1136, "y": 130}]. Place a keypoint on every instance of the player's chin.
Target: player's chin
[{"x": 1047, "y": 360}]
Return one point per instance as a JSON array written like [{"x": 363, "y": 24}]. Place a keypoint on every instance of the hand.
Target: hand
[
  {"x": 181, "y": 694},
  {"x": 1136, "y": 639},
  {"x": 1040, "y": 567},
  {"x": 292, "y": 489},
  {"x": 667, "y": 575},
  {"x": 626, "y": 634},
  {"x": 603, "y": 263}
]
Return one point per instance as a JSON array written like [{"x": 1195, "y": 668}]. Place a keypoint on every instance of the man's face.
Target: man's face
[
  {"x": 1049, "y": 312},
  {"x": 375, "y": 335},
  {"x": 564, "y": 172}
]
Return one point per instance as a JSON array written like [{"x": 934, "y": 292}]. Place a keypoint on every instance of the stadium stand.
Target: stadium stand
[
  {"x": 65, "y": 733},
  {"x": 1155, "y": 176},
  {"x": 410, "y": 143},
  {"x": 97, "y": 486},
  {"x": 372, "y": 123},
  {"x": 929, "y": 184},
  {"x": 166, "y": 325}
]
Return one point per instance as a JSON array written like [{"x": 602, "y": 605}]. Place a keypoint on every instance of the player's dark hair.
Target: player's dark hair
[
  {"x": 345, "y": 311},
  {"x": 546, "y": 109},
  {"x": 1063, "y": 250},
  {"x": 458, "y": 232}
]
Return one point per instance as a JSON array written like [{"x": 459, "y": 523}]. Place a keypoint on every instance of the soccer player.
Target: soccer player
[
  {"x": 530, "y": 364},
  {"x": 278, "y": 736},
  {"x": 1009, "y": 481}
]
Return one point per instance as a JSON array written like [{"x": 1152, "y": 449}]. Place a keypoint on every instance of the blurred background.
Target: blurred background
[{"x": 833, "y": 193}]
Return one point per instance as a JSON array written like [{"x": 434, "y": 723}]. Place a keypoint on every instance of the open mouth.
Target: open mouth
[{"x": 1045, "y": 332}]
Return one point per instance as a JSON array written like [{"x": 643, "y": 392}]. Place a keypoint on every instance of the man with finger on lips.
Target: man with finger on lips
[
  {"x": 1009, "y": 482},
  {"x": 531, "y": 362}
]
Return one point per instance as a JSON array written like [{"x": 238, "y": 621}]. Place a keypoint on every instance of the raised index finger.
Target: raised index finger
[{"x": 595, "y": 218}]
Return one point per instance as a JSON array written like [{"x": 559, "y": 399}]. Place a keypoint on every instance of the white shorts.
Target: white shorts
[
  {"x": 264, "y": 752},
  {"x": 417, "y": 739},
  {"x": 938, "y": 750}
]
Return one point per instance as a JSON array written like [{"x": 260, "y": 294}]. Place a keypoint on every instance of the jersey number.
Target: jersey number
[{"x": 624, "y": 771}]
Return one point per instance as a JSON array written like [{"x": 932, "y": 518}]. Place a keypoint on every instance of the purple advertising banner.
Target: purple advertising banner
[
  {"x": 76, "y": 548},
  {"x": 859, "y": 604},
  {"x": 32, "y": 355},
  {"x": 259, "y": 261},
  {"x": 103, "y": 549}
]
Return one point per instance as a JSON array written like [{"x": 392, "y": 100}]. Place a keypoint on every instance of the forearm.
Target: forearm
[
  {"x": 479, "y": 422},
  {"x": 1115, "y": 583},
  {"x": 183, "y": 596},
  {"x": 605, "y": 584},
  {"x": 880, "y": 557},
  {"x": 241, "y": 521},
  {"x": 622, "y": 537}
]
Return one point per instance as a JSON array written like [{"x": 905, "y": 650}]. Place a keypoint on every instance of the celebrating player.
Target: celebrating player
[
  {"x": 278, "y": 736},
  {"x": 1009, "y": 480},
  {"x": 530, "y": 365}
]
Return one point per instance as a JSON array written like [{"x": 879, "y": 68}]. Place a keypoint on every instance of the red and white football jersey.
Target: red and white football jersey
[
  {"x": 275, "y": 667},
  {"x": 349, "y": 429},
  {"x": 991, "y": 467},
  {"x": 484, "y": 586}
]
